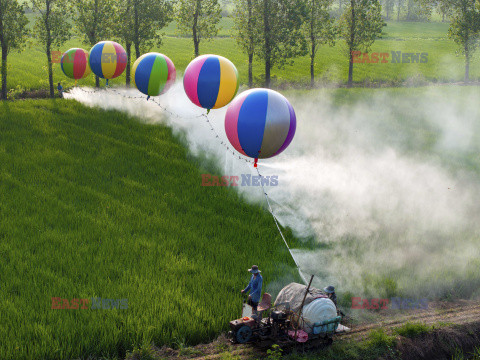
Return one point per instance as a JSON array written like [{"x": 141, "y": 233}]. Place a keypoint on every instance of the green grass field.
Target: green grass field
[
  {"x": 27, "y": 70},
  {"x": 96, "y": 204}
]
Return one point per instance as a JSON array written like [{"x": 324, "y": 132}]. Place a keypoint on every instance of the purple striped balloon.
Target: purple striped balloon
[{"x": 260, "y": 123}]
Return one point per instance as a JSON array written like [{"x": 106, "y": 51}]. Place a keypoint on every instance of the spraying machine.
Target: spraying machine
[{"x": 300, "y": 314}]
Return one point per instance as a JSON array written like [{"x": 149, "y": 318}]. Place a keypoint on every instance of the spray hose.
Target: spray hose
[{"x": 280, "y": 230}]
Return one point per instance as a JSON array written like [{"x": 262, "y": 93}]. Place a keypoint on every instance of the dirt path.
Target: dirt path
[
  {"x": 453, "y": 313},
  {"x": 459, "y": 313}
]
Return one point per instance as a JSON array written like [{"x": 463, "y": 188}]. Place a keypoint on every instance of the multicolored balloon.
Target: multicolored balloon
[
  {"x": 260, "y": 123},
  {"x": 153, "y": 74},
  {"x": 211, "y": 81},
  {"x": 74, "y": 63},
  {"x": 108, "y": 59}
]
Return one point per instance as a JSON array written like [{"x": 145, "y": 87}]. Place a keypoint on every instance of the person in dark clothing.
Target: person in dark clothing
[
  {"x": 330, "y": 290},
  {"x": 255, "y": 288},
  {"x": 60, "y": 90}
]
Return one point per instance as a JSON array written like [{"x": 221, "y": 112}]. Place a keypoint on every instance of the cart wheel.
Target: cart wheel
[{"x": 243, "y": 334}]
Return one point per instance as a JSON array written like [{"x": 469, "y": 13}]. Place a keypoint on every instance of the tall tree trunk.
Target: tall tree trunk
[
  {"x": 196, "y": 44},
  {"x": 313, "y": 42},
  {"x": 97, "y": 81},
  {"x": 4, "y": 70},
  {"x": 443, "y": 17},
  {"x": 268, "y": 48},
  {"x": 398, "y": 9},
  {"x": 136, "y": 24},
  {"x": 3, "y": 94},
  {"x": 340, "y": 5},
  {"x": 251, "y": 44},
  {"x": 196, "y": 40},
  {"x": 49, "y": 49},
  {"x": 50, "y": 71},
  {"x": 350, "y": 70},
  {"x": 250, "y": 70},
  {"x": 312, "y": 66},
  {"x": 465, "y": 44},
  {"x": 128, "y": 46},
  {"x": 467, "y": 63},
  {"x": 351, "y": 45},
  {"x": 137, "y": 50}
]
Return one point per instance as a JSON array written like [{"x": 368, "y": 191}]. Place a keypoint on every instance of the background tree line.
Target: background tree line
[{"x": 273, "y": 31}]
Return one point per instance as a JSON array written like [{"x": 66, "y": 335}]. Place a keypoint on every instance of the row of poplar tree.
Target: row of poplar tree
[{"x": 275, "y": 31}]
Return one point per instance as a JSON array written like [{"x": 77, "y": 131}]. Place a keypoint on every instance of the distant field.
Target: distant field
[
  {"x": 28, "y": 69},
  {"x": 96, "y": 204}
]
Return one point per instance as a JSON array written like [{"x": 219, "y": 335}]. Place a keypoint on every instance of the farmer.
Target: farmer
[
  {"x": 60, "y": 90},
  {"x": 255, "y": 287},
  {"x": 330, "y": 290}
]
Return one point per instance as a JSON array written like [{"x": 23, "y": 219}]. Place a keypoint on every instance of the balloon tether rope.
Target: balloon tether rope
[{"x": 280, "y": 230}]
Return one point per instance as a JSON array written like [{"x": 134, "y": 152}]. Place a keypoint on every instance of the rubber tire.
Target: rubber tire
[{"x": 243, "y": 334}]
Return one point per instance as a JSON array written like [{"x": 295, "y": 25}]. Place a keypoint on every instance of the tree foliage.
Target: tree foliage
[
  {"x": 146, "y": 19},
  {"x": 282, "y": 36},
  {"x": 388, "y": 6},
  {"x": 139, "y": 23},
  {"x": 51, "y": 29},
  {"x": 360, "y": 25},
  {"x": 319, "y": 29},
  {"x": 399, "y": 4},
  {"x": 465, "y": 28},
  {"x": 52, "y": 25},
  {"x": 247, "y": 30},
  {"x": 418, "y": 11},
  {"x": 444, "y": 8},
  {"x": 93, "y": 20},
  {"x": 199, "y": 18},
  {"x": 13, "y": 33}
]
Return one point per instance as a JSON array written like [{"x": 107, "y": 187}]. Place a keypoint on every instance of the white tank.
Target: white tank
[{"x": 318, "y": 311}]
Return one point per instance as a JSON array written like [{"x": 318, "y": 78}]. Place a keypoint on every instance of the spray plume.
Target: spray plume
[{"x": 385, "y": 181}]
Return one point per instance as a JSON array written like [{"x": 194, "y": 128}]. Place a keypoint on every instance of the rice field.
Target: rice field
[{"x": 97, "y": 205}]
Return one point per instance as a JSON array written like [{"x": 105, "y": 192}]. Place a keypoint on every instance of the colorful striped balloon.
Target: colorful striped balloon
[
  {"x": 211, "y": 81},
  {"x": 74, "y": 63},
  {"x": 260, "y": 123},
  {"x": 108, "y": 59},
  {"x": 153, "y": 74}
]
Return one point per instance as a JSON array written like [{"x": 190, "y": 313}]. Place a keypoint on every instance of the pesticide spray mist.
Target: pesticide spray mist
[{"x": 384, "y": 181}]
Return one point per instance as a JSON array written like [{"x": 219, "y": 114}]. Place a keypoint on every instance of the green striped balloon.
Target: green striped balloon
[
  {"x": 153, "y": 74},
  {"x": 74, "y": 63}
]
